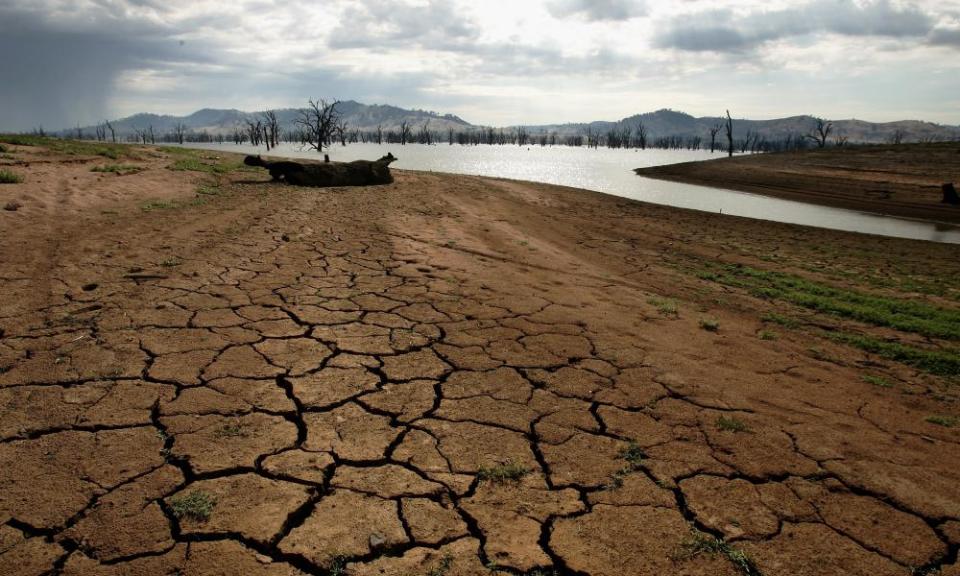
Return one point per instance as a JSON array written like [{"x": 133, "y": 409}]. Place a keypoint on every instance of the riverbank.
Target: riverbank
[
  {"x": 201, "y": 369},
  {"x": 902, "y": 181}
]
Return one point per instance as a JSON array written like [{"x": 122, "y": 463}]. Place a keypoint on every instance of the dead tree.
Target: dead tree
[
  {"x": 317, "y": 123},
  {"x": 113, "y": 133},
  {"x": 641, "y": 136},
  {"x": 713, "y": 137},
  {"x": 379, "y": 133},
  {"x": 79, "y": 132},
  {"x": 839, "y": 140},
  {"x": 897, "y": 137},
  {"x": 820, "y": 132},
  {"x": 729, "y": 129},
  {"x": 178, "y": 132},
  {"x": 341, "y": 130},
  {"x": 404, "y": 133},
  {"x": 272, "y": 125},
  {"x": 151, "y": 134}
]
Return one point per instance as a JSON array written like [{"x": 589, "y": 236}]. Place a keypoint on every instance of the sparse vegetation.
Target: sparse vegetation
[
  {"x": 119, "y": 169},
  {"x": 731, "y": 424},
  {"x": 9, "y": 177},
  {"x": 197, "y": 505},
  {"x": 502, "y": 472},
  {"x": 945, "y": 421},
  {"x": 633, "y": 454},
  {"x": 877, "y": 381},
  {"x": 171, "y": 262},
  {"x": 767, "y": 335},
  {"x": 699, "y": 543},
  {"x": 443, "y": 567}
]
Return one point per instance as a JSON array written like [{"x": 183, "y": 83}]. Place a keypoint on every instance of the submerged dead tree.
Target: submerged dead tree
[
  {"x": 317, "y": 123},
  {"x": 713, "y": 137},
  {"x": 729, "y": 129},
  {"x": 820, "y": 132},
  {"x": 272, "y": 127}
]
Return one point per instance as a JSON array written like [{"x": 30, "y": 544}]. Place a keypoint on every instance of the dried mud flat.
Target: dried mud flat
[
  {"x": 902, "y": 180},
  {"x": 205, "y": 373}
]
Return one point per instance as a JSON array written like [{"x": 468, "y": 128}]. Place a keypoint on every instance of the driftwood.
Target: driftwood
[
  {"x": 356, "y": 173},
  {"x": 950, "y": 194}
]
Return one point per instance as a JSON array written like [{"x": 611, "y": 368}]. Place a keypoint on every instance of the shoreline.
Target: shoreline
[{"x": 855, "y": 178}]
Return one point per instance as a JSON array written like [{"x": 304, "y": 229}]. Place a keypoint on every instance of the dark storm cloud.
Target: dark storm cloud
[
  {"x": 725, "y": 31},
  {"x": 62, "y": 69},
  {"x": 945, "y": 37}
]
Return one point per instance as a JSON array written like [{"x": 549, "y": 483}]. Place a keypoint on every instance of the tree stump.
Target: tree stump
[{"x": 950, "y": 194}]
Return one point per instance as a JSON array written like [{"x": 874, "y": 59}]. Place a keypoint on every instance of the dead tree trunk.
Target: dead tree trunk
[{"x": 729, "y": 129}]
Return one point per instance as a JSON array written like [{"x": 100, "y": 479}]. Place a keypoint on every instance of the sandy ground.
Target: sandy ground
[
  {"x": 450, "y": 375},
  {"x": 900, "y": 180}
]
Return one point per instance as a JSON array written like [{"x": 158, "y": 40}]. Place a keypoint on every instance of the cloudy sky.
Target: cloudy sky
[{"x": 493, "y": 62}]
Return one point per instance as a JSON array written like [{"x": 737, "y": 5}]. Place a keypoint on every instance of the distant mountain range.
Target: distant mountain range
[{"x": 661, "y": 123}]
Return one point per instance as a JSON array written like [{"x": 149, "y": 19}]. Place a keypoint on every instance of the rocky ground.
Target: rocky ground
[
  {"x": 902, "y": 180},
  {"x": 202, "y": 372}
]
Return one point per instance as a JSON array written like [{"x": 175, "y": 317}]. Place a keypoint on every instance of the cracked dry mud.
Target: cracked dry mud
[{"x": 344, "y": 372}]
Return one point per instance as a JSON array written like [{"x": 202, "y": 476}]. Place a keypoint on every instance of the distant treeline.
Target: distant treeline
[{"x": 321, "y": 126}]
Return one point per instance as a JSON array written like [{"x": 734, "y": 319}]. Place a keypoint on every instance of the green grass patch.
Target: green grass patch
[
  {"x": 900, "y": 314},
  {"x": 10, "y": 177},
  {"x": 209, "y": 165},
  {"x": 70, "y": 147},
  {"x": 120, "y": 169},
  {"x": 767, "y": 335},
  {"x": 944, "y": 362},
  {"x": 731, "y": 424},
  {"x": 197, "y": 505},
  {"x": 945, "y": 421},
  {"x": 502, "y": 472},
  {"x": 879, "y": 381},
  {"x": 710, "y": 325},
  {"x": 665, "y": 306},
  {"x": 699, "y": 543},
  {"x": 785, "y": 321}
]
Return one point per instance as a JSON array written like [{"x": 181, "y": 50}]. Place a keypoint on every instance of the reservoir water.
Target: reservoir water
[{"x": 611, "y": 171}]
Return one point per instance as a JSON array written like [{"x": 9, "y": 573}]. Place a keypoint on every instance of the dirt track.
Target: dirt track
[
  {"x": 899, "y": 180},
  {"x": 450, "y": 375}
]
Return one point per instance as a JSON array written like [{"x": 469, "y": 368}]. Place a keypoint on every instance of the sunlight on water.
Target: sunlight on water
[{"x": 611, "y": 171}]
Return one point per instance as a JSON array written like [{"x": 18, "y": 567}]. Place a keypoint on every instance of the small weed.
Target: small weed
[
  {"x": 699, "y": 543},
  {"x": 709, "y": 324},
  {"x": 877, "y": 381},
  {"x": 767, "y": 335},
  {"x": 152, "y": 205},
  {"x": 731, "y": 424},
  {"x": 338, "y": 565},
  {"x": 197, "y": 505},
  {"x": 10, "y": 177},
  {"x": 171, "y": 262},
  {"x": 119, "y": 169},
  {"x": 230, "y": 430},
  {"x": 666, "y": 307},
  {"x": 3, "y": 148},
  {"x": 445, "y": 564},
  {"x": 633, "y": 455},
  {"x": 502, "y": 472},
  {"x": 945, "y": 421}
]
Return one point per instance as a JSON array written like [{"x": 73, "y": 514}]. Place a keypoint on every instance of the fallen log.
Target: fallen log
[{"x": 356, "y": 173}]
